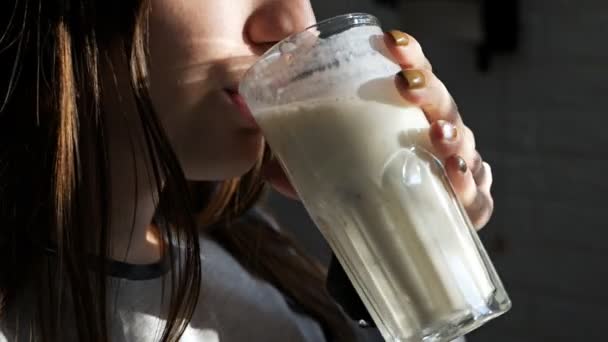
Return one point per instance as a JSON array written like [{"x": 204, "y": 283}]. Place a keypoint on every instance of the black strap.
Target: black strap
[
  {"x": 124, "y": 270},
  {"x": 119, "y": 269}
]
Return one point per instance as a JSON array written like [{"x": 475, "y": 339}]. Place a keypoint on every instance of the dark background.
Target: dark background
[{"x": 530, "y": 80}]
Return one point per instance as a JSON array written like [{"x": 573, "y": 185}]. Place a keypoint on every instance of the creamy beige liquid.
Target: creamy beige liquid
[{"x": 382, "y": 207}]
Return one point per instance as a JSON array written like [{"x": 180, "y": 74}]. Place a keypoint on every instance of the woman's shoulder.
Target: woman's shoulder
[{"x": 233, "y": 305}]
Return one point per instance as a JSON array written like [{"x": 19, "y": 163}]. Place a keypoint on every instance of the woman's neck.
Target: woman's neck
[
  {"x": 133, "y": 189},
  {"x": 134, "y": 238}
]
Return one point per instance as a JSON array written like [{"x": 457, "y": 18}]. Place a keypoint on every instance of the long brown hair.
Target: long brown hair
[{"x": 54, "y": 178}]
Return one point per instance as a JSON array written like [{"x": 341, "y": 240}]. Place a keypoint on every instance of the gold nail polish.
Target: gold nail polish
[
  {"x": 414, "y": 79},
  {"x": 448, "y": 131},
  {"x": 462, "y": 165},
  {"x": 401, "y": 39}
]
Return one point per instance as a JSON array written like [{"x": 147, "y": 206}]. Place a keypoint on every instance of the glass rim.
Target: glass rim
[
  {"x": 348, "y": 19},
  {"x": 326, "y": 27},
  {"x": 331, "y": 26}
]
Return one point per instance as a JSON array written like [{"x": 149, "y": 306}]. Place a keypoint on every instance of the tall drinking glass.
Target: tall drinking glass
[{"x": 361, "y": 160}]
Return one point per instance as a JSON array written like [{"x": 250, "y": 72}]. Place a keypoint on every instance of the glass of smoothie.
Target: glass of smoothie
[{"x": 361, "y": 160}]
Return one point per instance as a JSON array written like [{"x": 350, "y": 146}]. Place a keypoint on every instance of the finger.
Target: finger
[
  {"x": 423, "y": 89},
  {"x": 462, "y": 180},
  {"x": 478, "y": 204},
  {"x": 480, "y": 211},
  {"x": 476, "y": 166},
  {"x": 406, "y": 50},
  {"x": 447, "y": 141},
  {"x": 484, "y": 178}
]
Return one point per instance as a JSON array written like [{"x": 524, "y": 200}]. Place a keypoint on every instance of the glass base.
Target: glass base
[{"x": 463, "y": 324}]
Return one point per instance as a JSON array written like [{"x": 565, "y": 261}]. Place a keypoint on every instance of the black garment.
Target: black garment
[
  {"x": 342, "y": 290},
  {"x": 340, "y": 287}
]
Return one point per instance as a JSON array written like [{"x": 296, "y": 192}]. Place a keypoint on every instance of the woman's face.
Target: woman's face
[{"x": 199, "y": 51}]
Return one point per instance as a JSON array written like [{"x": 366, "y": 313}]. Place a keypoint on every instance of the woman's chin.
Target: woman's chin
[
  {"x": 224, "y": 166},
  {"x": 218, "y": 172},
  {"x": 273, "y": 174}
]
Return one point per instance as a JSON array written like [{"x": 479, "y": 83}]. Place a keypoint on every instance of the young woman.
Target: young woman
[{"x": 128, "y": 170}]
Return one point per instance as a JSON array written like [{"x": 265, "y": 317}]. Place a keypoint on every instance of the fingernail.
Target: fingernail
[
  {"x": 400, "y": 38},
  {"x": 448, "y": 131},
  {"x": 414, "y": 79},
  {"x": 462, "y": 165}
]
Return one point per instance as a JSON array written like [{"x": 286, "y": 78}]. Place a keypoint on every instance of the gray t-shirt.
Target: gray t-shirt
[{"x": 233, "y": 306}]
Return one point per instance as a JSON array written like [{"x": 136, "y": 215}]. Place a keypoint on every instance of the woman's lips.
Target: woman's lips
[{"x": 242, "y": 107}]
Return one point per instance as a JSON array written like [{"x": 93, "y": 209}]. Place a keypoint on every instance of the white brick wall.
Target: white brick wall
[{"x": 540, "y": 118}]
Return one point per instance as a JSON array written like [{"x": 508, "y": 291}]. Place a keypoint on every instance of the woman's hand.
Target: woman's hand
[{"x": 452, "y": 140}]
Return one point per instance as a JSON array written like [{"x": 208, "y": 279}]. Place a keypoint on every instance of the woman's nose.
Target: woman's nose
[{"x": 274, "y": 20}]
